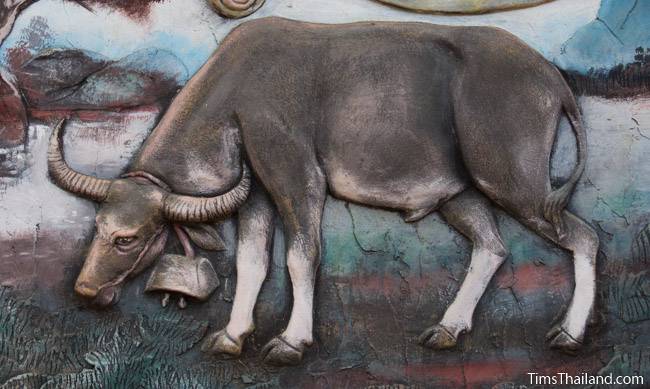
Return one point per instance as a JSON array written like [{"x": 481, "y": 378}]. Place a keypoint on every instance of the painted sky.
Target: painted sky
[
  {"x": 191, "y": 30},
  {"x": 612, "y": 38}
]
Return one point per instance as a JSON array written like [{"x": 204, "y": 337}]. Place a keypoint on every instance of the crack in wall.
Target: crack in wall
[
  {"x": 636, "y": 2},
  {"x": 354, "y": 233},
  {"x": 610, "y": 30},
  {"x": 615, "y": 213}
]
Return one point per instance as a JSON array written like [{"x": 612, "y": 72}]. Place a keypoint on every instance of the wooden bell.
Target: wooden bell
[
  {"x": 187, "y": 275},
  {"x": 193, "y": 277}
]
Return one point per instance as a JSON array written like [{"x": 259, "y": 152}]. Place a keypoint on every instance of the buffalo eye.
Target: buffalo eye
[{"x": 124, "y": 240}]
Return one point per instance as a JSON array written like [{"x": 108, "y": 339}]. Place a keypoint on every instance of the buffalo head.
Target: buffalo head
[{"x": 133, "y": 219}]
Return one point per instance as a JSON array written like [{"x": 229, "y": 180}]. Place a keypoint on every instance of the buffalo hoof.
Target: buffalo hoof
[
  {"x": 222, "y": 344},
  {"x": 279, "y": 352},
  {"x": 562, "y": 341},
  {"x": 437, "y": 337}
]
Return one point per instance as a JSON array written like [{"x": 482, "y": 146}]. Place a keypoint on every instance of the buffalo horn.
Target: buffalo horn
[
  {"x": 63, "y": 176},
  {"x": 195, "y": 209}
]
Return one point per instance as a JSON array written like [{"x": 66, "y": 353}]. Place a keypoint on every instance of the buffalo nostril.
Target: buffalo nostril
[{"x": 85, "y": 290}]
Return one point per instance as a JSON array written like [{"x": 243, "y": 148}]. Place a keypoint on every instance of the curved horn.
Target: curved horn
[
  {"x": 193, "y": 209},
  {"x": 67, "y": 179},
  {"x": 236, "y": 9}
]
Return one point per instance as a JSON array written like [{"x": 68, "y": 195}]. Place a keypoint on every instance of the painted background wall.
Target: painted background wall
[{"x": 381, "y": 281}]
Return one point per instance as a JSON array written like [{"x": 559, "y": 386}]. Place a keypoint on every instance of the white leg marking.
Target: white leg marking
[
  {"x": 302, "y": 269},
  {"x": 458, "y": 316},
  {"x": 583, "y": 242},
  {"x": 252, "y": 265},
  {"x": 584, "y": 295}
]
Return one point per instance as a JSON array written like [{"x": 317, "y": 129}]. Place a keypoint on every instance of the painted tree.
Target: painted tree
[{"x": 13, "y": 118}]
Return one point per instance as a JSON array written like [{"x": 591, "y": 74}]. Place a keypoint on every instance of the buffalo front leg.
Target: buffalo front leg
[
  {"x": 255, "y": 231},
  {"x": 471, "y": 214},
  {"x": 302, "y": 223}
]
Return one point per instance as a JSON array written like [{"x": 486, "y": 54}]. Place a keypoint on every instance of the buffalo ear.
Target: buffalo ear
[{"x": 205, "y": 236}]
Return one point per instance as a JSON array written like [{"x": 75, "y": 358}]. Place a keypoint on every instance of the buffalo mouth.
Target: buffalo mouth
[{"x": 108, "y": 296}]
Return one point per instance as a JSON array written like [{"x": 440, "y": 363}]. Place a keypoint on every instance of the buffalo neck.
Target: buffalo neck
[{"x": 194, "y": 148}]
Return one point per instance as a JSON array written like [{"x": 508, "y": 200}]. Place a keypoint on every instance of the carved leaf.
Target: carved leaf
[
  {"x": 172, "y": 333},
  {"x": 628, "y": 361},
  {"x": 205, "y": 236},
  {"x": 84, "y": 379},
  {"x": 25, "y": 381},
  {"x": 40, "y": 349},
  {"x": 641, "y": 246},
  {"x": 631, "y": 297}
]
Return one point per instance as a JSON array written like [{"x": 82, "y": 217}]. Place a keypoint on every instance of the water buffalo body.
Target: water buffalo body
[{"x": 411, "y": 117}]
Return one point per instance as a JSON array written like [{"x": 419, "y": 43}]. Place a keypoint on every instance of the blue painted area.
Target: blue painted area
[
  {"x": 191, "y": 30},
  {"x": 47, "y": 24},
  {"x": 611, "y": 39},
  {"x": 191, "y": 54},
  {"x": 154, "y": 60}
]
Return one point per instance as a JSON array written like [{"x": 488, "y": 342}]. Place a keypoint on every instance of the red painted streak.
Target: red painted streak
[
  {"x": 92, "y": 115},
  {"x": 528, "y": 279},
  {"x": 470, "y": 374},
  {"x": 476, "y": 374},
  {"x": 373, "y": 284}
]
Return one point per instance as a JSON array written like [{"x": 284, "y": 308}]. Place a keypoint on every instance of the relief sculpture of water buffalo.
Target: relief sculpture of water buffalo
[{"x": 410, "y": 117}]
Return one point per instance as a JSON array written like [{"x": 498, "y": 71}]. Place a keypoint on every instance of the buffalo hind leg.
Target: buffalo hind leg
[
  {"x": 254, "y": 233},
  {"x": 471, "y": 214},
  {"x": 301, "y": 213},
  {"x": 583, "y": 242}
]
